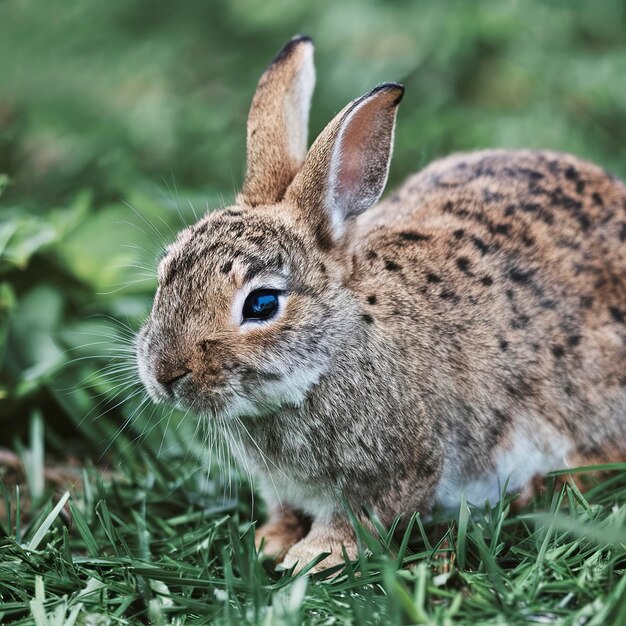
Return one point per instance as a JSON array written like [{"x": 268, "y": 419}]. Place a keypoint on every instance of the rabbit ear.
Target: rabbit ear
[
  {"x": 278, "y": 123},
  {"x": 346, "y": 169}
]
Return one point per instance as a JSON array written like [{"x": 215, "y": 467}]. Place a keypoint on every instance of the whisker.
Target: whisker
[
  {"x": 264, "y": 458},
  {"x": 126, "y": 423}
]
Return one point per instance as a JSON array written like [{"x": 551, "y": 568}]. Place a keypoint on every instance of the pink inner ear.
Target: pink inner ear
[
  {"x": 350, "y": 171},
  {"x": 364, "y": 149},
  {"x": 353, "y": 150}
]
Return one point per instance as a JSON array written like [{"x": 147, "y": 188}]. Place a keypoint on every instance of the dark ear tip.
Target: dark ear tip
[
  {"x": 395, "y": 88},
  {"x": 290, "y": 46},
  {"x": 301, "y": 38}
]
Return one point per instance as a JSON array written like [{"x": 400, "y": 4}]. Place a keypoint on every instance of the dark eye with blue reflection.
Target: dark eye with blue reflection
[{"x": 261, "y": 304}]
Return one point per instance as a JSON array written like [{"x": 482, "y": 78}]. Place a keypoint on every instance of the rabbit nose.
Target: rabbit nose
[{"x": 168, "y": 379}]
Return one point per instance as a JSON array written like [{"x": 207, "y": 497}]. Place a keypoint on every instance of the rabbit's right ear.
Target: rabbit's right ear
[
  {"x": 346, "y": 169},
  {"x": 278, "y": 123}
]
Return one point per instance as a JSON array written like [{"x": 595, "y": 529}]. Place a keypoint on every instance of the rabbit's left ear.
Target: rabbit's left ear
[{"x": 278, "y": 123}]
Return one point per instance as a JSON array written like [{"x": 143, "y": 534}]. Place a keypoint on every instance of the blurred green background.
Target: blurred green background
[{"x": 121, "y": 118}]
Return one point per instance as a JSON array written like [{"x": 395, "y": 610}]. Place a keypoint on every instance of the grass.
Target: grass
[
  {"x": 161, "y": 544},
  {"x": 121, "y": 120}
]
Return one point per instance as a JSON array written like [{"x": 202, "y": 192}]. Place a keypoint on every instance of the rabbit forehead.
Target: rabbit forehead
[{"x": 233, "y": 245}]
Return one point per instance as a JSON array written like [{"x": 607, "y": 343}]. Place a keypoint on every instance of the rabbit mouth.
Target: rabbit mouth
[
  {"x": 223, "y": 403},
  {"x": 231, "y": 403},
  {"x": 211, "y": 403}
]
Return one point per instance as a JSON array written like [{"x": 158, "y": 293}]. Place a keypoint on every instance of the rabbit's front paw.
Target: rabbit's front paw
[
  {"x": 305, "y": 551},
  {"x": 284, "y": 528}
]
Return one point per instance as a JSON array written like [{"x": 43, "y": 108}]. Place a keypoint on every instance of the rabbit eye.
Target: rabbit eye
[{"x": 261, "y": 304}]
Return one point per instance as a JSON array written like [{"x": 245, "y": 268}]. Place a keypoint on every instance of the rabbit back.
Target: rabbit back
[{"x": 502, "y": 277}]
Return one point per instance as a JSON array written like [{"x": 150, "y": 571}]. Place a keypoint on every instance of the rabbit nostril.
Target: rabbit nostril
[{"x": 169, "y": 380}]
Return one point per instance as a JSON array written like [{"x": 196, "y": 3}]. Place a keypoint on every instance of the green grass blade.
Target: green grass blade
[{"x": 40, "y": 533}]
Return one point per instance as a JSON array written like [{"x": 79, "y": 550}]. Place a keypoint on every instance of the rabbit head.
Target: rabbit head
[{"x": 250, "y": 307}]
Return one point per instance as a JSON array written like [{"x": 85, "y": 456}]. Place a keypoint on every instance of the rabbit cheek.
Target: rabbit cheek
[
  {"x": 211, "y": 363},
  {"x": 293, "y": 388}
]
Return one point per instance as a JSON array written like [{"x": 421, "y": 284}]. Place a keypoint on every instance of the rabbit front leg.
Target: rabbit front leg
[
  {"x": 285, "y": 527},
  {"x": 326, "y": 535},
  {"x": 334, "y": 533}
]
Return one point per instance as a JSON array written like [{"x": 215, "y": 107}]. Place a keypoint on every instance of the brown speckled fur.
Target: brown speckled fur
[{"x": 472, "y": 323}]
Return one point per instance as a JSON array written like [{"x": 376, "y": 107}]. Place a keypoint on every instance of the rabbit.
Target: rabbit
[{"x": 466, "y": 333}]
